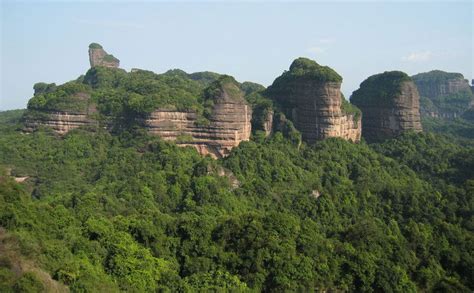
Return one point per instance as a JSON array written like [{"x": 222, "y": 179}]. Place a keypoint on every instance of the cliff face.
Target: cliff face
[
  {"x": 443, "y": 94},
  {"x": 390, "y": 105},
  {"x": 228, "y": 123},
  {"x": 60, "y": 122},
  {"x": 314, "y": 103},
  {"x": 99, "y": 57}
]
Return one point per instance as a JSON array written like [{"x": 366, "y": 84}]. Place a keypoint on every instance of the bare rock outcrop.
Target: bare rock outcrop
[
  {"x": 390, "y": 105},
  {"x": 62, "y": 118},
  {"x": 310, "y": 95},
  {"x": 60, "y": 122},
  {"x": 443, "y": 94},
  {"x": 228, "y": 122},
  {"x": 99, "y": 57}
]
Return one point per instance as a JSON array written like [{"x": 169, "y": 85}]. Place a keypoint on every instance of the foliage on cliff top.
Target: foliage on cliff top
[
  {"x": 204, "y": 77},
  {"x": 111, "y": 213},
  {"x": 225, "y": 87},
  {"x": 436, "y": 76},
  {"x": 379, "y": 89},
  {"x": 70, "y": 97},
  {"x": 251, "y": 87},
  {"x": 350, "y": 109},
  {"x": 308, "y": 70},
  {"x": 95, "y": 46},
  {"x": 453, "y": 103},
  {"x": 110, "y": 58}
]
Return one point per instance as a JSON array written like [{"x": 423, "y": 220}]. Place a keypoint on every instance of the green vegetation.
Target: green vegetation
[
  {"x": 379, "y": 89},
  {"x": 205, "y": 77},
  {"x": 436, "y": 76},
  {"x": 308, "y": 69},
  {"x": 451, "y": 106},
  {"x": 225, "y": 87},
  {"x": 251, "y": 87},
  {"x": 448, "y": 105},
  {"x": 458, "y": 127},
  {"x": 44, "y": 88},
  {"x": 10, "y": 116},
  {"x": 350, "y": 109},
  {"x": 95, "y": 46},
  {"x": 126, "y": 211},
  {"x": 71, "y": 96},
  {"x": 110, "y": 58},
  {"x": 303, "y": 69}
]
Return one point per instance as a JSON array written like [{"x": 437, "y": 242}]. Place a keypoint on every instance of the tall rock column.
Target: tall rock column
[
  {"x": 390, "y": 105},
  {"x": 443, "y": 94},
  {"x": 98, "y": 57},
  {"x": 310, "y": 94}
]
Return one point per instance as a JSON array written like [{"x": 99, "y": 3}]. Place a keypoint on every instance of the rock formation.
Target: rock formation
[
  {"x": 390, "y": 105},
  {"x": 310, "y": 95},
  {"x": 98, "y": 57},
  {"x": 443, "y": 94},
  {"x": 227, "y": 124},
  {"x": 60, "y": 120}
]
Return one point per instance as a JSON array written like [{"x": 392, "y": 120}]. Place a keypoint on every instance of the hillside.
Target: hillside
[
  {"x": 129, "y": 210},
  {"x": 194, "y": 182}
]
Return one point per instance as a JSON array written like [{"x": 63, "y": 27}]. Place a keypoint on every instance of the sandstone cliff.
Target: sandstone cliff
[
  {"x": 98, "y": 57},
  {"x": 61, "y": 119},
  {"x": 227, "y": 124},
  {"x": 390, "y": 105},
  {"x": 60, "y": 122},
  {"x": 443, "y": 94},
  {"x": 310, "y": 95}
]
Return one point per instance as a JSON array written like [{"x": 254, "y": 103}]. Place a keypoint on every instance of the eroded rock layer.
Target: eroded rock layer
[
  {"x": 228, "y": 124},
  {"x": 60, "y": 122},
  {"x": 318, "y": 112},
  {"x": 443, "y": 94},
  {"x": 312, "y": 98},
  {"x": 390, "y": 105}
]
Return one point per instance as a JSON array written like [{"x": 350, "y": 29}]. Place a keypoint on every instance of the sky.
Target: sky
[{"x": 252, "y": 41}]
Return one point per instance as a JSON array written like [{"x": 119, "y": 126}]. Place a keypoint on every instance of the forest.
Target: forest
[{"x": 107, "y": 212}]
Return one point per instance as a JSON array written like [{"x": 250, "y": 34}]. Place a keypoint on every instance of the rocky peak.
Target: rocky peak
[
  {"x": 99, "y": 57},
  {"x": 443, "y": 94},
  {"x": 224, "y": 124},
  {"x": 310, "y": 95},
  {"x": 390, "y": 105}
]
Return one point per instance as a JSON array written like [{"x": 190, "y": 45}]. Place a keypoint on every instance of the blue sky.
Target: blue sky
[{"x": 254, "y": 41}]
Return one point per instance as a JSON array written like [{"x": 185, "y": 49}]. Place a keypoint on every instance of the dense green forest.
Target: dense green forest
[{"x": 129, "y": 212}]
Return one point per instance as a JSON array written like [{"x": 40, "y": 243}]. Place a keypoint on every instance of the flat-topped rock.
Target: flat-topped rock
[
  {"x": 226, "y": 125},
  {"x": 390, "y": 105},
  {"x": 310, "y": 95},
  {"x": 443, "y": 94}
]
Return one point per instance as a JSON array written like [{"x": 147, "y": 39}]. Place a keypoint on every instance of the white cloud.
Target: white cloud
[
  {"x": 316, "y": 50},
  {"x": 421, "y": 56}
]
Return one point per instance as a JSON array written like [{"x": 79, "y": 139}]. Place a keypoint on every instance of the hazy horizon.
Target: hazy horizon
[{"x": 48, "y": 41}]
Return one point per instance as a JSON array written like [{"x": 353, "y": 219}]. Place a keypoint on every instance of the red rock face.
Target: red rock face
[
  {"x": 447, "y": 87},
  {"x": 435, "y": 89},
  {"x": 60, "y": 122},
  {"x": 98, "y": 57},
  {"x": 317, "y": 113},
  {"x": 387, "y": 121},
  {"x": 228, "y": 126}
]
